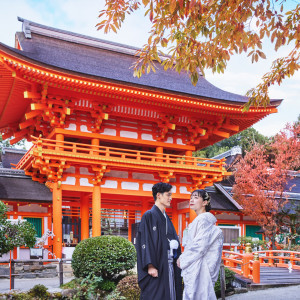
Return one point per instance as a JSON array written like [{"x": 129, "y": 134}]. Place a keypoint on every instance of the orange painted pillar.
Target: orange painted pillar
[
  {"x": 96, "y": 211},
  {"x": 85, "y": 234},
  {"x": 189, "y": 153},
  {"x": 59, "y": 139},
  {"x": 256, "y": 268},
  {"x": 57, "y": 220},
  {"x": 131, "y": 221},
  {"x": 175, "y": 214},
  {"x": 95, "y": 143},
  {"x": 159, "y": 151}
]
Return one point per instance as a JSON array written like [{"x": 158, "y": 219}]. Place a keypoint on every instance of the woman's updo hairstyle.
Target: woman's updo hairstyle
[{"x": 205, "y": 196}]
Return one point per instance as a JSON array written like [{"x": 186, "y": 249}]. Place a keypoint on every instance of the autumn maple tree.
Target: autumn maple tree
[
  {"x": 203, "y": 34},
  {"x": 261, "y": 179}
]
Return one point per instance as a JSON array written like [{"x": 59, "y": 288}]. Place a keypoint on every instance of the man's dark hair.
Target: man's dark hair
[{"x": 160, "y": 187}]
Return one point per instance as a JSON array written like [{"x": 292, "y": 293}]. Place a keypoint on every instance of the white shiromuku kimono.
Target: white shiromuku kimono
[{"x": 201, "y": 259}]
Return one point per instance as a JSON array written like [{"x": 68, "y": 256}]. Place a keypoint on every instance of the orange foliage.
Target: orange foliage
[
  {"x": 262, "y": 175},
  {"x": 204, "y": 34}
]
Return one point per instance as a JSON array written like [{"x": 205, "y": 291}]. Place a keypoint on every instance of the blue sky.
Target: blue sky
[{"x": 82, "y": 16}]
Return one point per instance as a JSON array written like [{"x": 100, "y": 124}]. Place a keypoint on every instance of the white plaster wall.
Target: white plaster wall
[
  {"x": 70, "y": 180},
  {"x": 133, "y": 186},
  {"x": 84, "y": 182},
  {"x": 71, "y": 127},
  {"x": 109, "y": 131},
  {"x": 68, "y": 251},
  {"x": 147, "y": 137},
  {"x": 147, "y": 187},
  {"x": 183, "y": 190},
  {"x": 46, "y": 228},
  {"x": 83, "y": 128},
  {"x": 128, "y": 134},
  {"x": 110, "y": 184}
]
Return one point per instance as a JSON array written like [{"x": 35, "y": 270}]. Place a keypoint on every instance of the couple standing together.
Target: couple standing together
[{"x": 159, "y": 259}]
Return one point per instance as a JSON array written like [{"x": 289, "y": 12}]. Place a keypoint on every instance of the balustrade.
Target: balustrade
[
  {"x": 116, "y": 154},
  {"x": 248, "y": 264}
]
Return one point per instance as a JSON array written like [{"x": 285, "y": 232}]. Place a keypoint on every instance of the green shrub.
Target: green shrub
[
  {"x": 39, "y": 291},
  {"x": 90, "y": 287},
  {"x": 107, "y": 285},
  {"x": 229, "y": 278},
  {"x": 128, "y": 287},
  {"x": 104, "y": 256},
  {"x": 115, "y": 295},
  {"x": 73, "y": 284}
]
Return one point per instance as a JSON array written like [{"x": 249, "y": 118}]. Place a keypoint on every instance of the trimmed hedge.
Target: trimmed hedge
[{"x": 104, "y": 256}]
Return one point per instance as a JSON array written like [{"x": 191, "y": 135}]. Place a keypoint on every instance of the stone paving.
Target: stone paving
[
  {"x": 26, "y": 284},
  {"x": 281, "y": 293}
]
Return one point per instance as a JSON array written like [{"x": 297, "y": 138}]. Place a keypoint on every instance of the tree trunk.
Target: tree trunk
[{"x": 273, "y": 240}]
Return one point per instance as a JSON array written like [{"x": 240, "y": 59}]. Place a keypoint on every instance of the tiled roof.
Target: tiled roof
[
  {"x": 11, "y": 156},
  {"x": 108, "y": 61},
  {"x": 220, "y": 201},
  {"x": 16, "y": 186}
]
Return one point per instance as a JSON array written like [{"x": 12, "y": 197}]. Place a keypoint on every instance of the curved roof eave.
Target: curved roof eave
[{"x": 31, "y": 58}]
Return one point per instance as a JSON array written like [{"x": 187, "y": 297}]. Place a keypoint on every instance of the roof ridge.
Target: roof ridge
[{"x": 30, "y": 26}]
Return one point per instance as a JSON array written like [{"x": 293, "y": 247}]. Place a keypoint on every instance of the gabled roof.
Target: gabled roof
[
  {"x": 11, "y": 156},
  {"x": 15, "y": 185},
  {"x": 109, "y": 61},
  {"x": 221, "y": 199}
]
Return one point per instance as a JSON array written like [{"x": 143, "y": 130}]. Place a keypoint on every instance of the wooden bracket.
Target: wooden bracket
[
  {"x": 98, "y": 114},
  {"x": 165, "y": 124},
  {"x": 99, "y": 172},
  {"x": 166, "y": 176},
  {"x": 196, "y": 131}
]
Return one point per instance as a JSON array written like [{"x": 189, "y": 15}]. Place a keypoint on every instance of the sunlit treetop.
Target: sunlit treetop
[{"x": 203, "y": 34}]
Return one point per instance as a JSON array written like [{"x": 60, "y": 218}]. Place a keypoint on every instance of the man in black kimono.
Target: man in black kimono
[{"x": 158, "y": 275}]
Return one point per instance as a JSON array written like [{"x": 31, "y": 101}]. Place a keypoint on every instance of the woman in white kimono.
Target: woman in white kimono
[{"x": 201, "y": 259}]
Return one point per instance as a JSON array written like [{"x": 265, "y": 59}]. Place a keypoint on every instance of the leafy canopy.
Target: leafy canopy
[
  {"x": 6, "y": 143},
  {"x": 262, "y": 178},
  {"x": 245, "y": 139},
  {"x": 204, "y": 34}
]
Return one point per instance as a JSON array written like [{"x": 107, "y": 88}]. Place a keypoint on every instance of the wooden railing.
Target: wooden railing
[
  {"x": 248, "y": 264},
  {"x": 279, "y": 258},
  {"x": 79, "y": 150}
]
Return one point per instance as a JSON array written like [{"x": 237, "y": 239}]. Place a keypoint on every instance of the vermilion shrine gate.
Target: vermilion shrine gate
[{"x": 101, "y": 137}]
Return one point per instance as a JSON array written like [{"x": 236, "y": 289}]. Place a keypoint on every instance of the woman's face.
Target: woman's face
[{"x": 196, "y": 202}]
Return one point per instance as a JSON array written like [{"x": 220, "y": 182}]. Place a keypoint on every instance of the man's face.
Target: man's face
[{"x": 164, "y": 198}]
